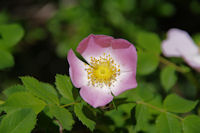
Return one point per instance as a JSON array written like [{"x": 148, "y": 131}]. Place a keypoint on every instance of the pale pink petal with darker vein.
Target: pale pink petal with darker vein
[
  {"x": 125, "y": 54},
  {"x": 77, "y": 70},
  {"x": 94, "y": 45}
]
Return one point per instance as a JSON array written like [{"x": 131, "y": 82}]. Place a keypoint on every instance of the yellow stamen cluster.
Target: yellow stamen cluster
[{"x": 102, "y": 71}]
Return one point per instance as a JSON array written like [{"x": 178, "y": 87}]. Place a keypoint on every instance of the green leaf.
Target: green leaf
[
  {"x": 81, "y": 116},
  {"x": 120, "y": 115},
  {"x": 19, "y": 121},
  {"x": 145, "y": 91},
  {"x": 166, "y": 123},
  {"x": 151, "y": 128},
  {"x": 177, "y": 104},
  {"x": 149, "y": 41},
  {"x": 116, "y": 116},
  {"x": 166, "y": 9},
  {"x": 42, "y": 90},
  {"x": 13, "y": 89},
  {"x": 6, "y": 59},
  {"x": 142, "y": 116},
  {"x": 11, "y": 34},
  {"x": 168, "y": 77},
  {"x": 23, "y": 100},
  {"x": 147, "y": 62},
  {"x": 191, "y": 124},
  {"x": 4, "y": 17},
  {"x": 1, "y": 117},
  {"x": 65, "y": 101},
  {"x": 196, "y": 38},
  {"x": 157, "y": 102},
  {"x": 64, "y": 86},
  {"x": 126, "y": 108},
  {"x": 2, "y": 102},
  {"x": 63, "y": 116}
]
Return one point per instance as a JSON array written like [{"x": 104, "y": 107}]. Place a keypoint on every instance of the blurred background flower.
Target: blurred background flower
[{"x": 180, "y": 44}]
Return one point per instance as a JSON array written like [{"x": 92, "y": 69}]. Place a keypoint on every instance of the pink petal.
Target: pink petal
[
  {"x": 193, "y": 60},
  {"x": 94, "y": 45},
  {"x": 126, "y": 81},
  {"x": 96, "y": 96},
  {"x": 178, "y": 43},
  {"x": 169, "y": 49},
  {"x": 77, "y": 70},
  {"x": 125, "y": 54}
]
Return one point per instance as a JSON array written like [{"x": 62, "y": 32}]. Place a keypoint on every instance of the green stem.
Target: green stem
[
  {"x": 151, "y": 106},
  {"x": 66, "y": 105},
  {"x": 167, "y": 62},
  {"x": 114, "y": 105},
  {"x": 188, "y": 75},
  {"x": 60, "y": 125},
  {"x": 113, "y": 101},
  {"x": 159, "y": 109}
]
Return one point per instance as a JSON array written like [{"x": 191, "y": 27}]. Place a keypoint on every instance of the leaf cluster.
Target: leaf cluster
[{"x": 25, "y": 102}]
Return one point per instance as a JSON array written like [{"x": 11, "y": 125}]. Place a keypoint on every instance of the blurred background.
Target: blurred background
[{"x": 52, "y": 27}]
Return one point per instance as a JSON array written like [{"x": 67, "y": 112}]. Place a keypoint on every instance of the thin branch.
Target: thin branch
[
  {"x": 66, "y": 105},
  {"x": 159, "y": 109},
  {"x": 60, "y": 126},
  {"x": 167, "y": 62},
  {"x": 187, "y": 74}
]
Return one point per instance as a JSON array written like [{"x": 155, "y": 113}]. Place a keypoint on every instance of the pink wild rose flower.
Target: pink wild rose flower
[
  {"x": 180, "y": 44},
  {"x": 111, "y": 68}
]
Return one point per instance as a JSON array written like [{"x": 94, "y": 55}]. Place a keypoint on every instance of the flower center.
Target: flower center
[{"x": 102, "y": 71}]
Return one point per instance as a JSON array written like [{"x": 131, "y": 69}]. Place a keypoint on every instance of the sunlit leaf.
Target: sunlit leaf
[
  {"x": 64, "y": 86},
  {"x": 13, "y": 89},
  {"x": 19, "y": 121},
  {"x": 42, "y": 90},
  {"x": 21, "y": 100},
  {"x": 63, "y": 116}
]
